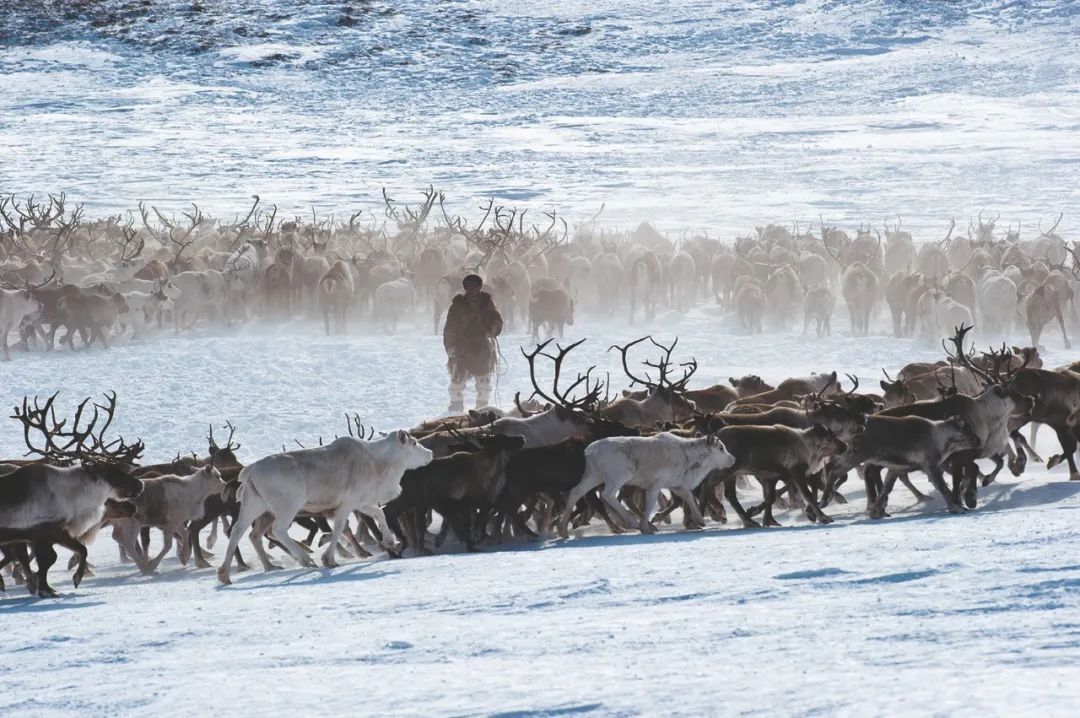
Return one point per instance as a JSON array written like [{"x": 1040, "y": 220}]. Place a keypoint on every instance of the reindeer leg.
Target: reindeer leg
[
  {"x": 768, "y": 487},
  {"x": 1068, "y": 449},
  {"x": 610, "y": 495},
  {"x": 1064, "y": 334},
  {"x": 690, "y": 505},
  {"x": 354, "y": 543},
  {"x": 340, "y": 521},
  {"x": 905, "y": 479},
  {"x": 999, "y": 463},
  {"x": 45, "y": 555},
  {"x": 651, "y": 498},
  {"x": 810, "y": 507},
  {"x": 872, "y": 477},
  {"x": 1017, "y": 459},
  {"x": 872, "y": 480},
  {"x": 732, "y": 498},
  {"x": 78, "y": 549},
  {"x": 258, "y": 531},
  {"x": 938, "y": 480}
]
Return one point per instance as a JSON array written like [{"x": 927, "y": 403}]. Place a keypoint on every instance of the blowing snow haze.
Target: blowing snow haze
[{"x": 691, "y": 114}]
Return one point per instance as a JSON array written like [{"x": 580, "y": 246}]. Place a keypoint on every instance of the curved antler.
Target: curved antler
[{"x": 624, "y": 350}]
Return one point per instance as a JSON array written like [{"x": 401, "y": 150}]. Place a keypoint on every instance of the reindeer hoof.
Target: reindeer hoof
[
  {"x": 223, "y": 577},
  {"x": 823, "y": 518},
  {"x": 750, "y": 524},
  {"x": 1054, "y": 461},
  {"x": 271, "y": 566},
  {"x": 1074, "y": 477},
  {"x": 329, "y": 561}
]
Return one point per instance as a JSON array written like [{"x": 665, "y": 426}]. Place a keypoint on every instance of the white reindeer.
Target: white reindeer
[
  {"x": 344, "y": 476},
  {"x": 166, "y": 502},
  {"x": 653, "y": 463}
]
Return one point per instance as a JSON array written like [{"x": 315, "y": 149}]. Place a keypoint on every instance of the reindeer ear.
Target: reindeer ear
[
  {"x": 403, "y": 436},
  {"x": 884, "y": 385},
  {"x": 732, "y": 380}
]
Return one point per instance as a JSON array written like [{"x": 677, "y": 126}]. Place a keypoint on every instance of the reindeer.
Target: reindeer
[
  {"x": 335, "y": 294},
  {"x": 819, "y": 305},
  {"x": 552, "y": 309},
  {"x": 346, "y": 475},
  {"x": 663, "y": 461},
  {"x": 92, "y": 315},
  {"x": 645, "y": 276},
  {"x": 1042, "y": 306},
  {"x": 992, "y": 414},
  {"x": 15, "y": 306},
  {"x": 64, "y": 502},
  {"x": 665, "y": 400},
  {"x": 859, "y": 285}
]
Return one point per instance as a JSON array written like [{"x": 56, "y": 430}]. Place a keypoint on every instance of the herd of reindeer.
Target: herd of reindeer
[
  {"x": 571, "y": 453},
  {"x": 135, "y": 273}
]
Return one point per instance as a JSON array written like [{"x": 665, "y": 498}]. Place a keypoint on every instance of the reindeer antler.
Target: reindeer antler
[
  {"x": 624, "y": 350},
  {"x": 563, "y": 398},
  {"x": 83, "y": 444},
  {"x": 962, "y": 356}
]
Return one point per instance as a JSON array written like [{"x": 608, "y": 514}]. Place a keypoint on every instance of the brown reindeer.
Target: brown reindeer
[
  {"x": 335, "y": 296},
  {"x": 666, "y": 400}
]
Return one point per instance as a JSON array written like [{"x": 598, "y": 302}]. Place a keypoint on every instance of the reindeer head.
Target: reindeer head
[
  {"x": 828, "y": 443},
  {"x": 664, "y": 390},
  {"x": 749, "y": 385},
  {"x": 223, "y": 456}
]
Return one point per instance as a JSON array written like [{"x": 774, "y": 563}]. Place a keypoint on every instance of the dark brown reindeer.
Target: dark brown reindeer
[
  {"x": 992, "y": 414},
  {"x": 63, "y": 501},
  {"x": 774, "y": 453}
]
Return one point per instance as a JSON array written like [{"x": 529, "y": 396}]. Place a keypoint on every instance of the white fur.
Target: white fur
[
  {"x": 344, "y": 476},
  {"x": 392, "y": 301},
  {"x": 14, "y": 306},
  {"x": 663, "y": 461},
  {"x": 180, "y": 500}
]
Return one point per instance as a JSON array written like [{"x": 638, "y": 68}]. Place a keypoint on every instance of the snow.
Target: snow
[
  {"x": 919, "y": 613},
  {"x": 700, "y": 115},
  {"x": 703, "y": 115}
]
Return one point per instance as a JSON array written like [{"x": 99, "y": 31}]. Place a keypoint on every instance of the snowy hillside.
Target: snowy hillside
[{"x": 692, "y": 114}]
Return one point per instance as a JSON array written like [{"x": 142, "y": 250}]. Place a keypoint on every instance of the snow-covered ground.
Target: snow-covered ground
[
  {"x": 690, "y": 113},
  {"x": 921, "y": 613}
]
